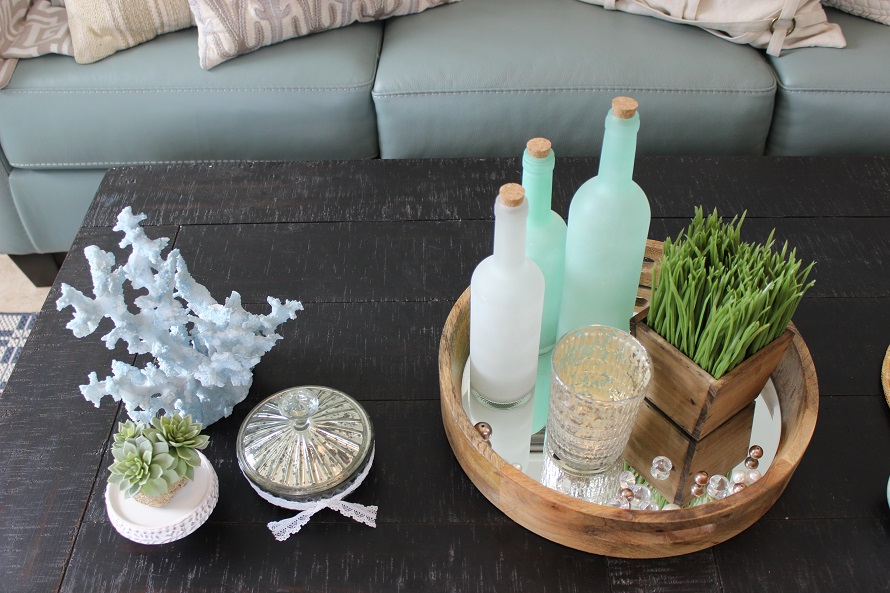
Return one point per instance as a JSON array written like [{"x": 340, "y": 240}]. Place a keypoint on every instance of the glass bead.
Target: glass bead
[
  {"x": 641, "y": 494},
  {"x": 739, "y": 476},
  {"x": 661, "y": 468},
  {"x": 618, "y": 503},
  {"x": 670, "y": 507},
  {"x": 718, "y": 487},
  {"x": 751, "y": 463},
  {"x": 754, "y": 475},
  {"x": 627, "y": 479},
  {"x": 756, "y": 451}
]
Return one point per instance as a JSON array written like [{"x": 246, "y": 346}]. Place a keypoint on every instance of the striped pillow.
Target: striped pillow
[
  {"x": 100, "y": 28},
  {"x": 231, "y": 28}
]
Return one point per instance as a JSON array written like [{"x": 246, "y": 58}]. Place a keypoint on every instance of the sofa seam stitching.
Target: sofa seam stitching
[
  {"x": 38, "y": 166},
  {"x": 364, "y": 85},
  {"x": 385, "y": 94},
  {"x": 829, "y": 91}
]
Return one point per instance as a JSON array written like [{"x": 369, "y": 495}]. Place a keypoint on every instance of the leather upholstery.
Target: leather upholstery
[
  {"x": 307, "y": 98},
  {"x": 51, "y": 206},
  {"x": 13, "y": 237},
  {"x": 835, "y": 101},
  {"x": 481, "y": 77}
]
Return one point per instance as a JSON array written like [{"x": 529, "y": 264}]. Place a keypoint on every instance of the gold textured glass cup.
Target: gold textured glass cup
[{"x": 599, "y": 378}]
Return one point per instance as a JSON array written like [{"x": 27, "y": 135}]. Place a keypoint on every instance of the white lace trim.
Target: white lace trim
[{"x": 287, "y": 527}]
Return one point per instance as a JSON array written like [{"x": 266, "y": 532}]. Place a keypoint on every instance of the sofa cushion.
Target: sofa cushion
[
  {"x": 835, "y": 101},
  {"x": 228, "y": 30},
  {"x": 13, "y": 237},
  {"x": 51, "y": 205},
  {"x": 483, "y": 77},
  {"x": 100, "y": 28},
  {"x": 308, "y": 98}
]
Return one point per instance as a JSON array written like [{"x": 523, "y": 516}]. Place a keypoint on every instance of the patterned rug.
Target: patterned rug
[{"x": 14, "y": 330}]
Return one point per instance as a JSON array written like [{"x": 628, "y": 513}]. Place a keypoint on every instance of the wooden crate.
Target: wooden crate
[
  {"x": 689, "y": 395},
  {"x": 655, "y": 434}
]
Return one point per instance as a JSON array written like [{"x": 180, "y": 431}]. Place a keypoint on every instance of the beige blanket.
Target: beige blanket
[{"x": 30, "y": 28}]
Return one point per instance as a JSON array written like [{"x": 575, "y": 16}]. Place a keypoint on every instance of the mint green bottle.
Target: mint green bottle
[
  {"x": 608, "y": 225},
  {"x": 545, "y": 245},
  {"x": 545, "y": 241}
]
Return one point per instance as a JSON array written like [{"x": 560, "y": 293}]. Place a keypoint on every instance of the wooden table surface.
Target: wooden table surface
[{"x": 378, "y": 251}]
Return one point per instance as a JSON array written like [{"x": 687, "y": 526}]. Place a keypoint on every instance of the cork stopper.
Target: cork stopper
[
  {"x": 624, "y": 107},
  {"x": 539, "y": 147},
  {"x": 511, "y": 195}
]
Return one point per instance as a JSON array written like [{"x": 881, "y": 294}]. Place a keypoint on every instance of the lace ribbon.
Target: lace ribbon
[{"x": 287, "y": 527}]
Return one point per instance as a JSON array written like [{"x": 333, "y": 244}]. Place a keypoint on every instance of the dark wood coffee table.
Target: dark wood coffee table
[{"x": 378, "y": 251}]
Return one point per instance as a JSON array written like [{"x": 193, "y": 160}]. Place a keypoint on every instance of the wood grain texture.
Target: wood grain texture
[
  {"x": 372, "y": 324},
  {"x": 690, "y": 396},
  {"x": 461, "y": 189},
  {"x": 718, "y": 452},
  {"x": 820, "y": 556}
]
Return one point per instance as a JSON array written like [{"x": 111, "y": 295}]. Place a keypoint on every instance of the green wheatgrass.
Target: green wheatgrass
[{"x": 719, "y": 300}]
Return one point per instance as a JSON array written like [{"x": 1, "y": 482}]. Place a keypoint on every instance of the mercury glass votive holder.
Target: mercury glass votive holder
[{"x": 599, "y": 379}]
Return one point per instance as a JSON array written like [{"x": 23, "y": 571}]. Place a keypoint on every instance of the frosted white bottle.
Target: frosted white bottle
[{"x": 506, "y": 305}]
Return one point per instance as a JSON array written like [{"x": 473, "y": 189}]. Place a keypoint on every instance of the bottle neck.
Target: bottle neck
[
  {"x": 509, "y": 234},
  {"x": 619, "y": 148},
  {"x": 537, "y": 179}
]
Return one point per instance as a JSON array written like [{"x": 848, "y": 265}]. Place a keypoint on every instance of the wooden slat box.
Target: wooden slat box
[
  {"x": 689, "y": 395},
  {"x": 655, "y": 434}
]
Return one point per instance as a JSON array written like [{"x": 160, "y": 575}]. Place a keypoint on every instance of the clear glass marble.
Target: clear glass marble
[
  {"x": 305, "y": 443},
  {"x": 661, "y": 468},
  {"x": 718, "y": 487},
  {"x": 627, "y": 479},
  {"x": 642, "y": 496},
  {"x": 619, "y": 503}
]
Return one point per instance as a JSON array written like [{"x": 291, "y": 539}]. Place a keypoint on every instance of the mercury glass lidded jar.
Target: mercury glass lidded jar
[{"x": 305, "y": 443}]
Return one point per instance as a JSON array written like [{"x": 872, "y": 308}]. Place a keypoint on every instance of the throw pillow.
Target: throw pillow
[
  {"x": 230, "y": 28},
  {"x": 100, "y": 28},
  {"x": 876, "y": 10}
]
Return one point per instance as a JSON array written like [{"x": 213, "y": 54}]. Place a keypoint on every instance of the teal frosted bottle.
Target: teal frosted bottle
[
  {"x": 608, "y": 225},
  {"x": 545, "y": 245},
  {"x": 545, "y": 241}
]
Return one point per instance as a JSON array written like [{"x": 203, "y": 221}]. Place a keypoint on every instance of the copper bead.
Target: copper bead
[
  {"x": 751, "y": 463},
  {"x": 701, "y": 478},
  {"x": 697, "y": 490},
  {"x": 756, "y": 451},
  {"x": 626, "y": 493},
  {"x": 736, "y": 488},
  {"x": 484, "y": 430}
]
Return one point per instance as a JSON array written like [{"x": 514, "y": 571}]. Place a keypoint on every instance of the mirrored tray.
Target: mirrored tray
[
  {"x": 765, "y": 431},
  {"x": 617, "y": 532}
]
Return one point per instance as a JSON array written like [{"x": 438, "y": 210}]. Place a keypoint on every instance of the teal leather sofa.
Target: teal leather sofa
[{"x": 473, "y": 79}]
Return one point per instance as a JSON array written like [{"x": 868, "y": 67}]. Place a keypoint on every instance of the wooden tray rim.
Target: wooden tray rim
[{"x": 761, "y": 495}]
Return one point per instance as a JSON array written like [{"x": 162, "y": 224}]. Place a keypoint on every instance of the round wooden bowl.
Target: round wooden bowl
[{"x": 616, "y": 532}]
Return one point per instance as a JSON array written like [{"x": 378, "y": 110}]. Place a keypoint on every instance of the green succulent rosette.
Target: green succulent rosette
[
  {"x": 183, "y": 437},
  {"x": 141, "y": 465},
  {"x": 128, "y": 430}
]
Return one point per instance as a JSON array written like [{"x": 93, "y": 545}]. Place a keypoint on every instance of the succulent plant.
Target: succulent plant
[
  {"x": 127, "y": 430},
  {"x": 183, "y": 437},
  {"x": 142, "y": 465}
]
